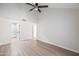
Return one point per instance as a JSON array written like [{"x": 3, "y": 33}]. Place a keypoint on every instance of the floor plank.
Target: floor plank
[{"x": 33, "y": 48}]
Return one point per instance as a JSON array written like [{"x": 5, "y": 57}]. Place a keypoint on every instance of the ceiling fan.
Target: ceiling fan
[{"x": 37, "y": 7}]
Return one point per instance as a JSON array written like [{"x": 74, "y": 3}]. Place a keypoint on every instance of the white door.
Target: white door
[
  {"x": 25, "y": 31},
  {"x": 22, "y": 30},
  {"x": 15, "y": 30}
]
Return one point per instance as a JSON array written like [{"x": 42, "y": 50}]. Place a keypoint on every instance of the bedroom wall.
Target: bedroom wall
[
  {"x": 11, "y": 13},
  {"x": 7, "y": 31},
  {"x": 59, "y": 26}
]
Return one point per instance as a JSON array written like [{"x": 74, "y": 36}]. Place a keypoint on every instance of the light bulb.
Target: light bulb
[{"x": 36, "y": 9}]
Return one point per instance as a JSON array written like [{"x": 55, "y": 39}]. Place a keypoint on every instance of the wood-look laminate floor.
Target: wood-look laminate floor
[
  {"x": 33, "y": 48},
  {"x": 5, "y": 50}
]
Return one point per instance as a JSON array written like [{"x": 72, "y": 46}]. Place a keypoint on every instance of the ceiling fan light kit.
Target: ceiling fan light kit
[{"x": 37, "y": 7}]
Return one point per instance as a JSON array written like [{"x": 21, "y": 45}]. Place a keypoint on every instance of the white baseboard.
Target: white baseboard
[
  {"x": 4, "y": 43},
  {"x": 59, "y": 46}
]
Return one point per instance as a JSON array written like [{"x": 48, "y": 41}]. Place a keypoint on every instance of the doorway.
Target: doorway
[{"x": 22, "y": 30}]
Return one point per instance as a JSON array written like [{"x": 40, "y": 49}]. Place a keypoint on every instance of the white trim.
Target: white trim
[
  {"x": 59, "y": 46},
  {"x": 4, "y": 43}
]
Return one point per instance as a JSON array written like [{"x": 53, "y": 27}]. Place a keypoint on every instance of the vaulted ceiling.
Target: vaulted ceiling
[{"x": 21, "y": 10}]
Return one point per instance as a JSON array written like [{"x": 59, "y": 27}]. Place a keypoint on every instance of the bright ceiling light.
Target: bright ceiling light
[{"x": 36, "y": 9}]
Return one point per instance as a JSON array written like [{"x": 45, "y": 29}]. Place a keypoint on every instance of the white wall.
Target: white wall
[
  {"x": 15, "y": 12},
  {"x": 26, "y": 31},
  {"x": 60, "y": 26},
  {"x": 6, "y": 30}
]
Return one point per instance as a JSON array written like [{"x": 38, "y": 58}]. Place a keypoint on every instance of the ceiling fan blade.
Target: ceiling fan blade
[
  {"x": 45, "y": 6},
  {"x": 31, "y": 9},
  {"x": 36, "y": 4},
  {"x": 30, "y": 4},
  {"x": 39, "y": 10}
]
